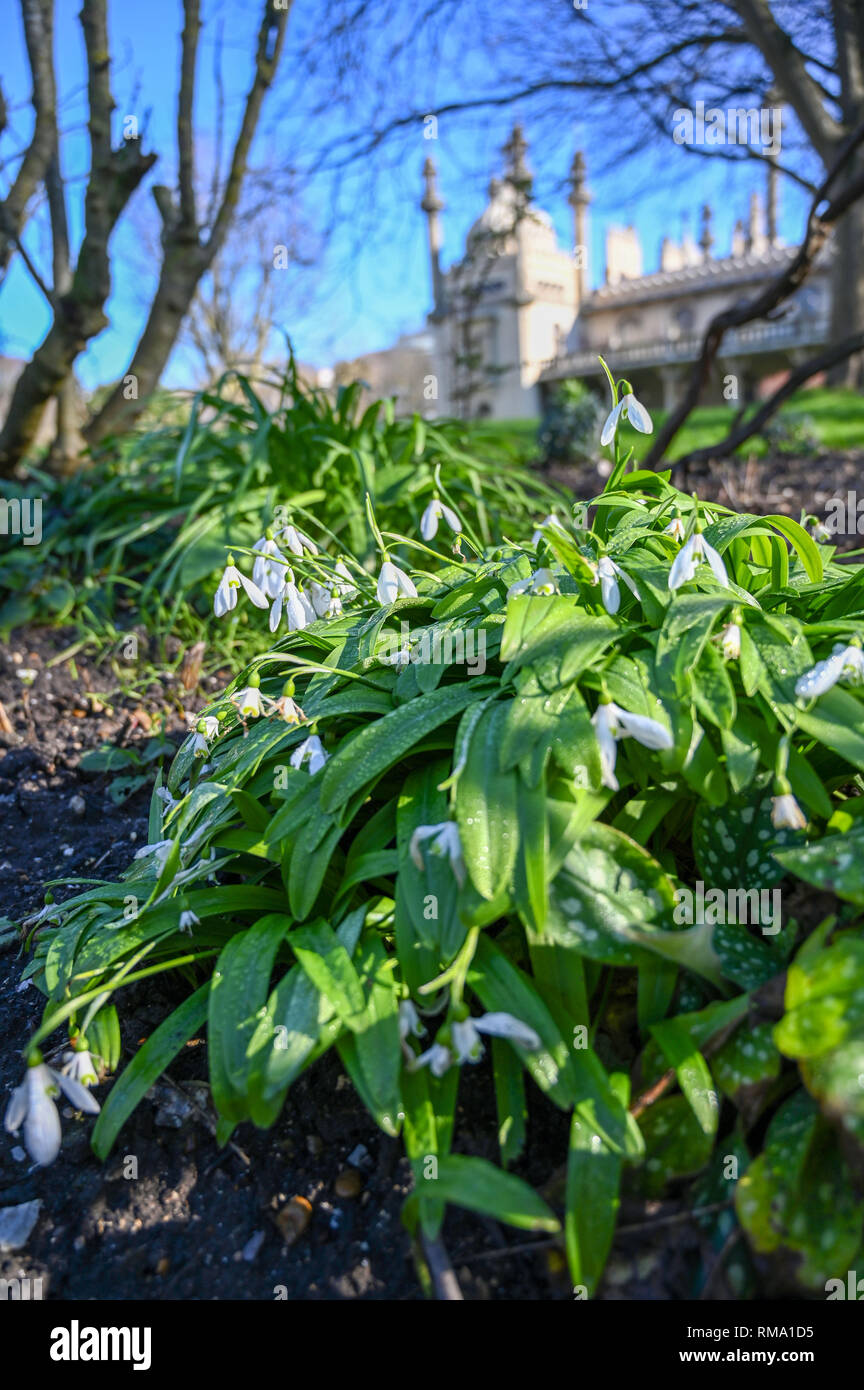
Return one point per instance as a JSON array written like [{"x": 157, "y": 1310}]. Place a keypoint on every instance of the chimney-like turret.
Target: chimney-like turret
[
  {"x": 433, "y": 207},
  {"x": 706, "y": 237},
  {"x": 579, "y": 199}
]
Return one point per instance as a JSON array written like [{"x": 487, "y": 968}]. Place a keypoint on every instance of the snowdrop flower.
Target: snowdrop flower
[
  {"x": 319, "y": 597},
  {"x": 612, "y": 723},
  {"x": 542, "y": 581},
  {"x": 628, "y": 408},
  {"x": 786, "y": 814},
  {"x": 445, "y": 840},
  {"x": 334, "y": 607},
  {"x": 730, "y": 642},
  {"x": 820, "y": 532},
  {"x": 608, "y": 574},
  {"x": 467, "y": 1044},
  {"x": 298, "y": 610},
  {"x": 248, "y": 701},
  {"x": 297, "y": 541},
  {"x": 346, "y": 588},
  {"x": 675, "y": 529},
  {"x": 164, "y": 795},
  {"x": 550, "y": 520},
  {"x": 844, "y": 663},
  {"x": 437, "y": 1058},
  {"x": 400, "y": 658},
  {"x": 429, "y": 520},
  {"x": 160, "y": 849},
  {"x": 689, "y": 558},
  {"x": 188, "y": 920},
  {"x": 80, "y": 1066},
  {"x": 311, "y": 750},
  {"x": 206, "y": 728},
  {"x": 225, "y": 598},
  {"x": 268, "y": 573},
  {"x": 32, "y": 1105},
  {"x": 393, "y": 583},
  {"x": 286, "y": 706}
]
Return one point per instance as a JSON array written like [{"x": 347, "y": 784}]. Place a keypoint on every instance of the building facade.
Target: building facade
[{"x": 514, "y": 315}]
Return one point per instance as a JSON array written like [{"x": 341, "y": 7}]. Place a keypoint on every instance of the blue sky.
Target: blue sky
[{"x": 371, "y": 278}]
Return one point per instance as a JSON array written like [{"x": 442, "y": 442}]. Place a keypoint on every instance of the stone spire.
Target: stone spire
[
  {"x": 432, "y": 205},
  {"x": 771, "y": 201},
  {"x": 517, "y": 170},
  {"x": 579, "y": 198},
  {"x": 756, "y": 241},
  {"x": 706, "y": 237}
]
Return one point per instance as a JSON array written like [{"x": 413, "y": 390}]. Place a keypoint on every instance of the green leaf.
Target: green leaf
[
  {"x": 486, "y": 808},
  {"x": 364, "y": 756},
  {"x": 834, "y": 864},
  {"x": 238, "y": 992},
  {"x": 593, "y": 1183},
  {"x": 481, "y": 1187},
  {"x": 146, "y": 1067},
  {"x": 330, "y": 968},
  {"x": 692, "y": 1072}
]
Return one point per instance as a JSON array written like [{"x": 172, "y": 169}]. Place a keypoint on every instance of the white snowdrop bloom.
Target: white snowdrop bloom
[
  {"x": 311, "y": 750},
  {"x": 188, "y": 920},
  {"x": 400, "y": 658},
  {"x": 844, "y": 663},
  {"x": 32, "y": 1106},
  {"x": 437, "y": 1058},
  {"x": 786, "y": 814},
  {"x": 820, "y": 532},
  {"x": 206, "y": 729},
  {"x": 164, "y": 795},
  {"x": 299, "y": 612},
  {"x": 628, "y": 408},
  {"x": 431, "y": 516},
  {"x": 545, "y": 524},
  {"x": 730, "y": 642},
  {"x": 334, "y": 607},
  {"x": 297, "y": 541},
  {"x": 409, "y": 1021},
  {"x": 248, "y": 702},
  {"x": 676, "y": 529},
  {"x": 160, "y": 849},
  {"x": 692, "y": 554},
  {"x": 346, "y": 587},
  {"x": 225, "y": 598},
  {"x": 268, "y": 571},
  {"x": 608, "y": 574},
  {"x": 319, "y": 597},
  {"x": 542, "y": 581},
  {"x": 466, "y": 1042},
  {"x": 81, "y": 1067},
  {"x": 612, "y": 723},
  {"x": 444, "y": 840},
  {"x": 288, "y": 709},
  {"x": 393, "y": 583}
]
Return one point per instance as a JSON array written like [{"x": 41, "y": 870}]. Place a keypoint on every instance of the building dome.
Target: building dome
[{"x": 496, "y": 225}]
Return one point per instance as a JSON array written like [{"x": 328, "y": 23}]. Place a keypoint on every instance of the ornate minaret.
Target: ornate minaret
[
  {"x": 517, "y": 170},
  {"x": 579, "y": 199},
  {"x": 433, "y": 206},
  {"x": 706, "y": 236}
]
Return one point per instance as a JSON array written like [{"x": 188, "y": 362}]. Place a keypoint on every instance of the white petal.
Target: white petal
[
  {"x": 451, "y": 518},
  {"x": 225, "y": 597},
  {"x": 821, "y": 678},
  {"x": 42, "y": 1134},
  {"x": 429, "y": 520},
  {"x": 76, "y": 1093},
  {"x": 603, "y": 720},
  {"x": 638, "y": 415},
  {"x": 259, "y": 599},
  {"x": 16, "y": 1110},
  {"x": 506, "y": 1026},
  {"x": 611, "y": 424},
  {"x": 388, "y": 584},
  {"x": 646, "y": 731},
  {"x": 684, "y": 565},
  {"x": 715, "y": 560}
]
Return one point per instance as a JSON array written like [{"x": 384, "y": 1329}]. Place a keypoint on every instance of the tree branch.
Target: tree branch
[
  {"x": 819, "y": 225},
  {"x": 38, "y": 17}
]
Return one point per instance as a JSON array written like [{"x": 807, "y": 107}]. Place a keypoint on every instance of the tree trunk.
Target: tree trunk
[
  {"x": 181, "y": 271},
  {"x": 847, "y": 294}
]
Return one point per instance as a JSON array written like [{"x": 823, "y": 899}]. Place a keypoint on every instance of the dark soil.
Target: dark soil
[{"x": 170, "y": 1215}]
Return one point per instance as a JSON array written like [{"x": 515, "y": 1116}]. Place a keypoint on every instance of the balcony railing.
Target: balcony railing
[{"x": 752, "y": 338}]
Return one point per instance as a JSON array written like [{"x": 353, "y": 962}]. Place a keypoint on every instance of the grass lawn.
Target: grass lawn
[{"x": 835, "y": 417}]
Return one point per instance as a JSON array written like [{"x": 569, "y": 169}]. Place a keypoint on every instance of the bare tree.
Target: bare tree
[{"x": 190, "y": 243}]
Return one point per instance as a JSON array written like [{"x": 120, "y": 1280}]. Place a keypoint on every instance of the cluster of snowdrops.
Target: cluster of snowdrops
[{"x": 362, "y": 848}]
